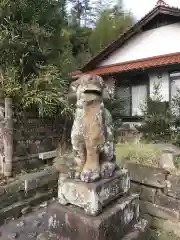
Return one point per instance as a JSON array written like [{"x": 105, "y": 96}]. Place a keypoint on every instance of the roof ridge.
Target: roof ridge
[
  {"x": 161, "y": 3},
  {"x": 143, "y": 59}
]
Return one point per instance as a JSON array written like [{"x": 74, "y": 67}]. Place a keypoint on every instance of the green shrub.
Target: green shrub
[
  {"x": 157, "y": 118},
  {"x": 114, "y": 106}
]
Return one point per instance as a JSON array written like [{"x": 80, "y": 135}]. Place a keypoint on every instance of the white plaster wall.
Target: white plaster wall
[
  {"x": 158, "y": 41},
  {"x": 164, "y": 82}
]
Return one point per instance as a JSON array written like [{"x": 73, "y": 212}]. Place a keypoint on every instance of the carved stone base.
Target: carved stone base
[
  {"x": 117, "y": 220},
  {"x": 92, "y": 197}
]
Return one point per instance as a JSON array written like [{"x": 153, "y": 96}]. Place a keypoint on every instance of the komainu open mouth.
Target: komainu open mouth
[{"x": 95, "y": 92}]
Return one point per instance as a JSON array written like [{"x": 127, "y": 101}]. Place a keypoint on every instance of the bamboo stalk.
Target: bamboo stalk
[
  {"x": 8, "y": 137},
  {"x": 2, "y": 139}
]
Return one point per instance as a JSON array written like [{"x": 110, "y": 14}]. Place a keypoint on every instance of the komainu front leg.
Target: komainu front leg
[
  {"x": 91, "y": 170},
  {"x": 79, "y": 155},
  {"x": 108, "y": 164},
  {"x": 79, "y": 158}
]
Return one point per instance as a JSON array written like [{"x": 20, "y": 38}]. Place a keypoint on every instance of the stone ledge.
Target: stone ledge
[
  {"x": 38, "y": 179},
  {"x": 147, "y": 175},
  {"x": 159, "y": 211}
]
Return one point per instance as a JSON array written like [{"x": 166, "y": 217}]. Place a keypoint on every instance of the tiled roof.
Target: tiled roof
[
  {"x": 145, "y": 63},
  {"x": 160, "y": 8}
]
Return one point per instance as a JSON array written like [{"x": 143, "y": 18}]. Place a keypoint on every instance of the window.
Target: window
[
  {"x": 139, "y": 94},
  {"x": 175, "y": 83},
  {"x": 174, "y": 87},
  {"x": 132, "y": 99},
  {"x": 124, "y": 95}
]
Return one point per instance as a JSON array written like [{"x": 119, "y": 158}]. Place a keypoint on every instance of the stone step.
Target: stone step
[
  {"x": 118, "y": 221},
  {"x": 23, "y": 207}
]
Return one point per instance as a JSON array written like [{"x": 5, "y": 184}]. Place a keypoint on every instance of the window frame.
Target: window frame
[
  {"x": 175, "y": 75},
  {"x": 144, "y": 85},
  {"x": 131, "y": 85}
]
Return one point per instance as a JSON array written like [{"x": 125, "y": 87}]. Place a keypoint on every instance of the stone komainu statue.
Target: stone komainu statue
[{"x": 92, "y": 134}]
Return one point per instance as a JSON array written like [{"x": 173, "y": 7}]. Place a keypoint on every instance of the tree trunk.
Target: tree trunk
[{"x": 8, "y": 137}]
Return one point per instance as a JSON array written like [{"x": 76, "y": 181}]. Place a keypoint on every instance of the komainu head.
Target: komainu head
[{"x": 88, "y": 87}]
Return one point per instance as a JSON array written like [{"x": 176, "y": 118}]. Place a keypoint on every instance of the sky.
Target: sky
[{"x": 140, "y": 7}]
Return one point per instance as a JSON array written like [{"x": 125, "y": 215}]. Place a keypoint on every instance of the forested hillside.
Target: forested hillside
[{"x": 42, "y": 41}]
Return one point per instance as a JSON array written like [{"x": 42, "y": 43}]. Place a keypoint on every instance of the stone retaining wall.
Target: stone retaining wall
[
  {"x": 26, "y": 192},
  {"x": 33, "y": 135},
  {"x": 159, "y": 195}
]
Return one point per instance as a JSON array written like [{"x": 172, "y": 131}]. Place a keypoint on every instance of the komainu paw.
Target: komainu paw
[
  {"x": 90, "y": 175},
  {"x": 107, "y": 169}
]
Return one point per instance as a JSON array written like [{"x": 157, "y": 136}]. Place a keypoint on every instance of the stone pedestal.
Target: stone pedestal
[
  {"x": 117, "y": 220},
  {"x": 92, "y": 197}
]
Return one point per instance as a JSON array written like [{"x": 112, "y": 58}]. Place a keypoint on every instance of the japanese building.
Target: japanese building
[{"x": 148, "y": 53}]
